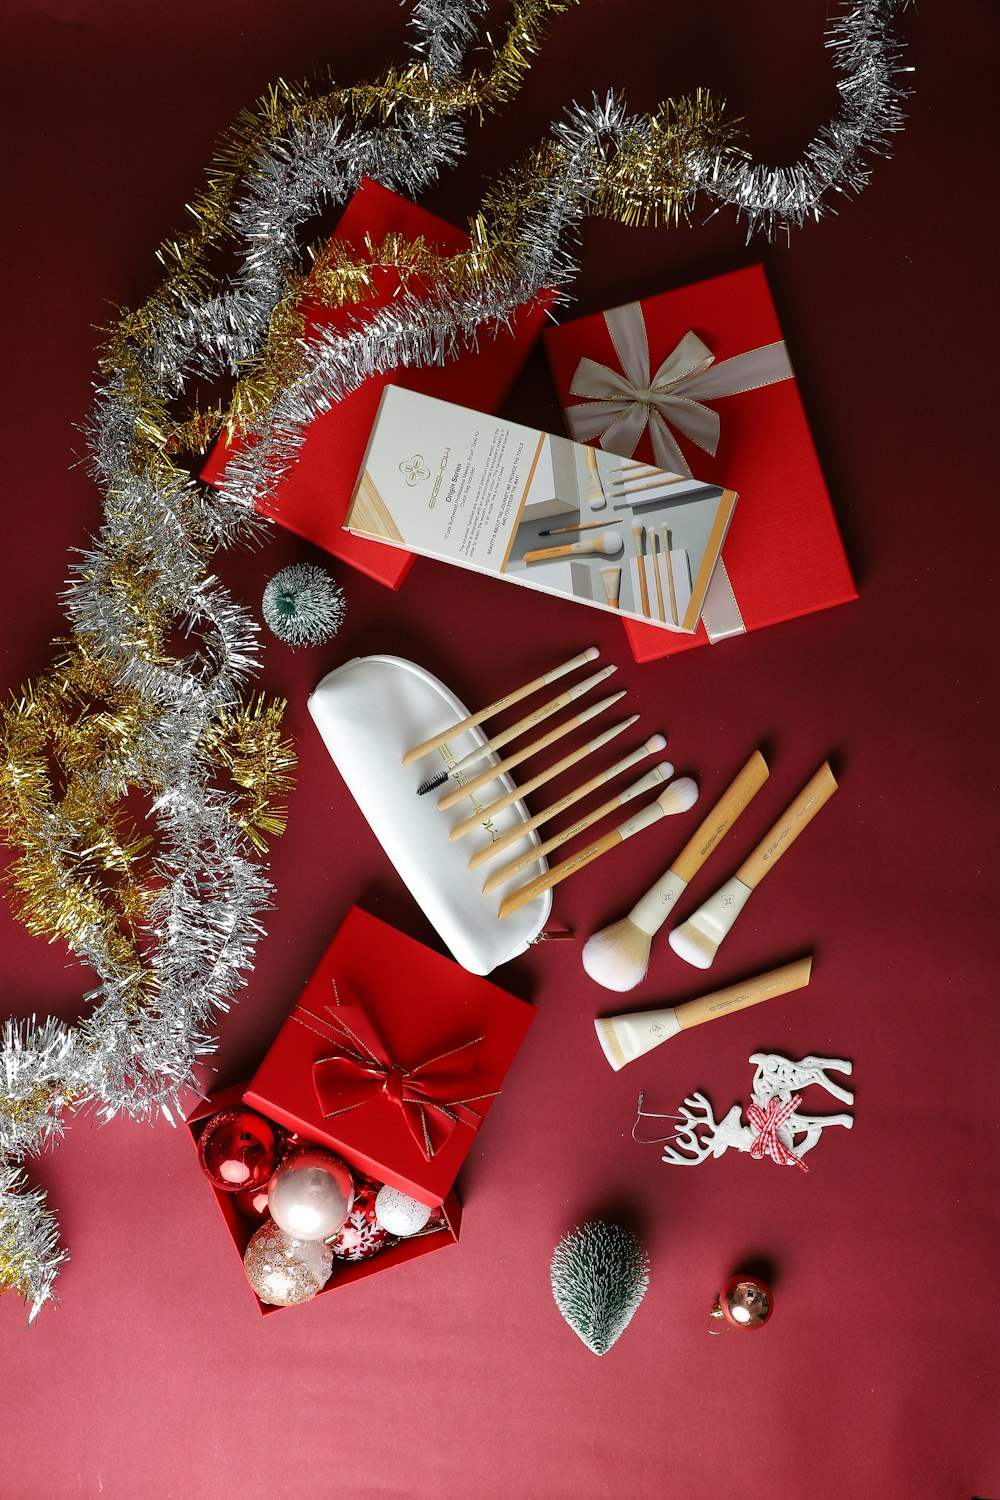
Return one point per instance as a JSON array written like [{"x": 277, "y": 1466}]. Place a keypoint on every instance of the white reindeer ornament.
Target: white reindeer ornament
[{"x": 775, "y": 1126}]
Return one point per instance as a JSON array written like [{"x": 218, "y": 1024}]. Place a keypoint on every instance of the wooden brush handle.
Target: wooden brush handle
[
  {"x": 498, "y": 707},
  {"x": 539, "y": 715},
  {"x": 485, "y": 814},
  {"x": 817, "y": 791},
  {"x": 644, "y": 818},
  {"x": 469, "y": 788},
  {"x": 489, "y": 851},
  {"x": 526, "y": 893},
  {"x": 734, "y": 799},
  {"x": 741, "y": 996}
]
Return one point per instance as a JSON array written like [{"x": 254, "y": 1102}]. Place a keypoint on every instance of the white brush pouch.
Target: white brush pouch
[{"x": 369, "y": 712}]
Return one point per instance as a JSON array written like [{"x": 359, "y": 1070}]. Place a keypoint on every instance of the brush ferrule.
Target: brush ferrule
[{"x": 650, "y": 913}]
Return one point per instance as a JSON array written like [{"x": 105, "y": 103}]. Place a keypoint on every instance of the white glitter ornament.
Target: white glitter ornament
[
  {"x": 284, "y": 1270},
  {"x": 400, "y": 1214}
]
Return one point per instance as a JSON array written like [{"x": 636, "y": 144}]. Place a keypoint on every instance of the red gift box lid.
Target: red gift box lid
[
  {"x": 420, "y": 1004},
  {"x": 312, "y": 497},
  {"x": 783, "y": 551}
]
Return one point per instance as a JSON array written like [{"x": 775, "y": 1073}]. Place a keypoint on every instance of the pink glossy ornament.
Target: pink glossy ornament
[
  {"x": 310, "y": 1194},
  {"x": 239, "y": 1149}
]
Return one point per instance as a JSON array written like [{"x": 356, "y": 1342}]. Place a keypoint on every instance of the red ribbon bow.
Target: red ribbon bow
[
  {"x": 767, "y": 1123},
  {"x": 431, "y": 1095}
]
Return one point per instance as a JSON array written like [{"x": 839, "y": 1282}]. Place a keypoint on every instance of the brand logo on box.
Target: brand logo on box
[{"x": 415, "y": 470}]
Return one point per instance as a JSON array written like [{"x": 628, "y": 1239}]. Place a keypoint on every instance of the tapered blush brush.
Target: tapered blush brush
[
  {"x": 653, "y": 746},
  {"x": 656, "y": 777},
  {"x": 508, "y": 701},
  {"x": 521, "y": 727},
  {"x": 618, "y": 956},
  {"x": 678, "y": 797},
  {"x": 485, "y": 815},
  {"x": 697, "y": 940},
  {"x": 624, "y": 1038},
  {"x": 606, "y": 543},
  {"x": 476, "y": 783}
]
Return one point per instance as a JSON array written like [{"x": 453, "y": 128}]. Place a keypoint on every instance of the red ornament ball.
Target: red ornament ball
[
  {"x": 252, "y": 1204},
  {"x": 361, "y": 1235},
  {"x": 239, "y": 1150}
]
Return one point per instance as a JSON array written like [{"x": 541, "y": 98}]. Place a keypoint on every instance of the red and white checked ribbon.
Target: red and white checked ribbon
[{"x": 767, "y": 1123}]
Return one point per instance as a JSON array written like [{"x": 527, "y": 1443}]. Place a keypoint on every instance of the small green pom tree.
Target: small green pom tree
[
  {"x": 303, "y": 605},
  {"x": 600, "y": 1273}
]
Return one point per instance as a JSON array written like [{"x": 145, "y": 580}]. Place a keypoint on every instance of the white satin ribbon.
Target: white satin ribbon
[{"x": 622, "y": 404}]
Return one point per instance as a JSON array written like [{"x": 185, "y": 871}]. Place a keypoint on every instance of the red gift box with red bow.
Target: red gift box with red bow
[
  {"x": 700, "y": 377},
  {"x": 392, "y": 1058},
  {"x": 312, "y": 498}
]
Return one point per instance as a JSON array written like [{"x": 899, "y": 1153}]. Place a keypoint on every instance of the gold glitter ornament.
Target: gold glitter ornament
[{"x": 283, "y": 1270}]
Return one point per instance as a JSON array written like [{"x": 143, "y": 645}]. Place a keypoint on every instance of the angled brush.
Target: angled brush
[
  {"x": 624, "y": 1038},
  {"x": 697, "y": 940}
]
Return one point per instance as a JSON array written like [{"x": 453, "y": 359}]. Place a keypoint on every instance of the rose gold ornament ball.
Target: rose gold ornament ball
[{"x": 284, "y": 1270}]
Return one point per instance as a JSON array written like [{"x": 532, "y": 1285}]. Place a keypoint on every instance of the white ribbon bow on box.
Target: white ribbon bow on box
[{"x": 622, "y": 405}]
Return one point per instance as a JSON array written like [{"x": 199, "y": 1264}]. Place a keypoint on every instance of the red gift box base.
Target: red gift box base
[{"x": 345, "y": 1273}]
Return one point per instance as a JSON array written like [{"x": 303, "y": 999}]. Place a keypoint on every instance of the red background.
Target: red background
[{"x": 155, "y": 1377}]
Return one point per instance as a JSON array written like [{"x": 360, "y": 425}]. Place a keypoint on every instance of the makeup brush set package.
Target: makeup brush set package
[
  {"x": 699, "y": 378},
  {"x": 337, "y": 1161},
  {"x": 500, "y": 498}
]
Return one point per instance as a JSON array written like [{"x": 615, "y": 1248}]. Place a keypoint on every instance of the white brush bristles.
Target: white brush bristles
[
  {"x": 618, "y": 957},
  {"x": 679, "y": 796},
  {"x": 656, "y": 743},
  {"x": 693, "y": 945}
]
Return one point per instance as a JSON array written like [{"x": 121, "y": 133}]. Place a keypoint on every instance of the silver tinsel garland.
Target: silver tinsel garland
[{"x": 136, "y": 1057}]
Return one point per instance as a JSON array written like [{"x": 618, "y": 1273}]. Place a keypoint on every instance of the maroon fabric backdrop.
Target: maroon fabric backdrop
[{"x": 155, "y": 1377}]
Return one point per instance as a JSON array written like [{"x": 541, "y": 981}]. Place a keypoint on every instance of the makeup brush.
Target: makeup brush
[
  {"x": 671, "y": 591},
  {"x": 653, "y": 746},
  {"x": 618, "y": 956},
  {"x": 596, "y": 497},
  {"x": 492, "y": 773},
  {"x": 654, "y": 540},
  {"x": 612, "y": 581},
  {"x": 656, "y": 777},
  {"x": 655, "y": 480},
  {"x": 528, "y": 722},
  {"x": 498, "y": 707},
  {"x": 608, "y": 544},
  {"x": 577, "y": 526},
  {"x": 698, "y": 939},
  {"x": 624, "y": 1038},
  {"x": 678, "y": 797},
  {"x": 640, "y": 554},
  {"x": 485, "y": 815}
]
